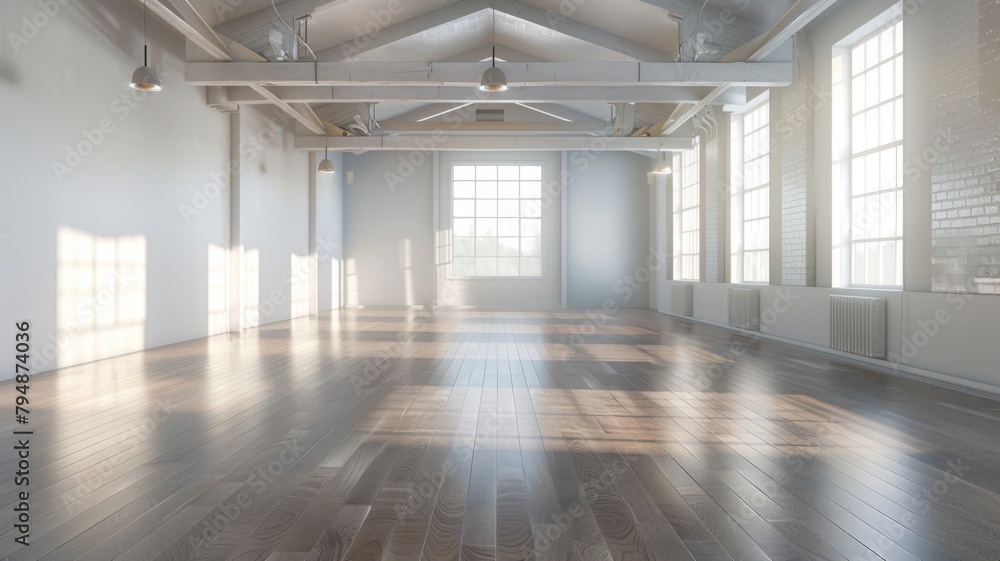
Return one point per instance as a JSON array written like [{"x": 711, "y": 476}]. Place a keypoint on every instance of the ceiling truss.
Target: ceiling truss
[{"x": 344, "y": 88}]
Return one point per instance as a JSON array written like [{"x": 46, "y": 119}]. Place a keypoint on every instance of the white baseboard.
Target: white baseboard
[{"x": 892, "y": 368}]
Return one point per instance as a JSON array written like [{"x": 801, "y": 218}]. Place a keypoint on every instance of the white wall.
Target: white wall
[
  {"x": 503, "y": 292},
  {"x": 274, "y": 211},
  {"x": 608, "y": 225},
  {"x": 388, "y": 250},
  {"x": 67, "y": 231},
  {"x": 391, "y": 243},
  {"x": 330, "y": 235},
  {"x": 116, "y": 206},
  {"x": 949, "y": 337}
]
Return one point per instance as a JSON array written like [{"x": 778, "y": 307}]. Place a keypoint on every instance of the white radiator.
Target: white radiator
[
  {"x": 744, "y": 308},
  {"x": 682, "y": 300},
  {"x": 857, "y": 325}
]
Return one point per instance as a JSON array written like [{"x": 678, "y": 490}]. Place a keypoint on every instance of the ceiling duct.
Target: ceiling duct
[{"x": 489, "y": 115}]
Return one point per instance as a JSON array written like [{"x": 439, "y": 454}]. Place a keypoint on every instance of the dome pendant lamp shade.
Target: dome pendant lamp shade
[
  {"x": 662, "y": 167},
  {"x": 494, "y": 79},
  {"x": 145, "y": 78},
  {"x": 326, "y": 165}
]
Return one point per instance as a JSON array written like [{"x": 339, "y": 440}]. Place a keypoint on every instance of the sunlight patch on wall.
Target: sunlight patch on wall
[
  {"x": 353, "y": 297},
  {"x": 335, "y": 272},
  {"x": 251, "y": 287},
  {"x": 101, "y": 295},
  {"x": 406, "y": 264},
  {"x": 299, "y": 284},
  {"x": 218, "y": 293}
]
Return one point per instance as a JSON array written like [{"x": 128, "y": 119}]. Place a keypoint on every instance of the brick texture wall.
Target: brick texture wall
[
  {"x": 795, "y": 138},
  {"x": 714, "y": 200},
  {"x": 965, "y": 163}
]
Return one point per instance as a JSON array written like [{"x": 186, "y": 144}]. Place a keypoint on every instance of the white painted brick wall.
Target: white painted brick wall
[
  {"x": 965, "y": 205},
  {"x": 714, "y": 197},
  {"x": 795, "y": 137}
]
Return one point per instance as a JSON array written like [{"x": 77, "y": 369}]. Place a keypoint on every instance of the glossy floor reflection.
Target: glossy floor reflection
[{"x": 506, "y": 435}]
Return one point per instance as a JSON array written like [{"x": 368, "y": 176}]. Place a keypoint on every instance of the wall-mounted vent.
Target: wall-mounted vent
[
  {"x": 857, "y": 325},
  {"x": 489, "y": 115},
  {"x": 744, "y": 308}
]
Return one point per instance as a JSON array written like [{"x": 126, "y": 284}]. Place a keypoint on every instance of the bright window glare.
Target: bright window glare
[
  {"x": 876, "y": 159},
  {"x": 496, "y": 221},
  {"x": 687, "y": 216}
]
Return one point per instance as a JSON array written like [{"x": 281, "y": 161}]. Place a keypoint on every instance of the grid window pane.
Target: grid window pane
[
  {"x": 464, "y": 247},
  {"x": 509, "y": 173},
  {"x": 508, "y": 189},
  {"x": 531, "y": 227},
  {"x": 876, "y": 178},
  {"x": 757, "y": 194},
  {"x": 464, "y": 173},
  {"x": 464, "y": 227},
  {"x": 687, "y": 216},
  {"x": 497, "y": 220},
  {"x": 465, "y": 208}
]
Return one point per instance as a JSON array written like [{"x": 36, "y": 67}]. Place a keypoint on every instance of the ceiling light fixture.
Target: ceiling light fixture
[
  {"x": 662, "y": 167},
  {"x": 326, "y": 165},
  {"x": 494, "y": 79},
  {"x": 144, "y": 78}
]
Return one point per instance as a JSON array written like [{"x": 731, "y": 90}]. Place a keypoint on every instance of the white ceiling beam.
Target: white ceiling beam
[
  {"x": 211, "y": 44},
  {"x": 556, "y": 111},
  {"x": 798, "y": 16},
  {"x": 251, "y": 29},
  {"x": 758, "y": 74},
  {"x": 726, "y": 27},
  {"x": 300, "y": 112},
  {"x": 465, "y": 94},
  {"x": 207, "y": 38},
  {"x": 801, "y": 14},
  {"x": 504, "y": 53},
  {"x": 561, "y": 24},
  {"x": 493, "y": 143},
  {"x": 430, "y": 111},
  {"x": 506, "y": 126},
  {"x": 414, "y": 26}
]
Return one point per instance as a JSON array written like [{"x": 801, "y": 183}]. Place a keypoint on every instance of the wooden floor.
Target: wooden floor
[{"x": 488, "y": 435}]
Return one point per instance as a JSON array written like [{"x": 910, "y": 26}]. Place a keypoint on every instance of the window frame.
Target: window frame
[
  {"x": 845, "y": 154},
  {"x": 678, "y": 210},
  {"x": 738, "y": 220},
  {"x": 543, "y": 217}
]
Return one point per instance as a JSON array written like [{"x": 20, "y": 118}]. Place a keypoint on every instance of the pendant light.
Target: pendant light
[
  {"x": 326, "y": 165},
  {"x": 144, "y": 78},
  {"x": 662, "y": 167},
  {"x": 494, "y": 79}
]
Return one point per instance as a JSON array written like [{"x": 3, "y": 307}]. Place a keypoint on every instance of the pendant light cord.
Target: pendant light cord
[
  {"x": 493, "y": 28},
  {"x": 145, "y": 38}
]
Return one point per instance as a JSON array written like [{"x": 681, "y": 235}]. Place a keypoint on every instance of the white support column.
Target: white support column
[
  {"x": 564, "y": 224},
  {"x": 313, "y": 220},
  {"x": 236, "y": 292},
  {"x": 437, "y": 230},
  {"x": 656, "y": 243},
  {"x": 774, "y": 222}
]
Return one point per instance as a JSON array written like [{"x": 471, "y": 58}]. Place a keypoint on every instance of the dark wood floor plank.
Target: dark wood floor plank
[{"x": 501, "y": 435}]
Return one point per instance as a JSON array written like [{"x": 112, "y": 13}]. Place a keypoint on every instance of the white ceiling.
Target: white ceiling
[{"x": 429, "y": 31}]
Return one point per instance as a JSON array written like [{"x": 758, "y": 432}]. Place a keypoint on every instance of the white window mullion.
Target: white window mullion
[
  {"x": 752, "y": 197},
  {"x": 873, "y": 174},
  {"x": 496, "y": 221},
  {"x": 687, "y": 216}
]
